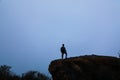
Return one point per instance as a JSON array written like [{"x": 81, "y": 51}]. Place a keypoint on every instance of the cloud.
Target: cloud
[{"x": 0, "y": 0}]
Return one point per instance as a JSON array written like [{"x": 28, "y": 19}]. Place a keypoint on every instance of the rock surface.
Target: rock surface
[{"x": 89, "y": 67}]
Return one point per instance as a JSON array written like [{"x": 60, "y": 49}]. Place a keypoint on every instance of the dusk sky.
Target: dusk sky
[{"x": 32, "y": 31}]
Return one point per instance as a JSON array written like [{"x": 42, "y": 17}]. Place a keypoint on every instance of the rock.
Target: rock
[{"x": 89, "y": 67}]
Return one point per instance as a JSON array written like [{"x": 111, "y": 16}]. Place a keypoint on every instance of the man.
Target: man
[{"x": 63, "y": 51}]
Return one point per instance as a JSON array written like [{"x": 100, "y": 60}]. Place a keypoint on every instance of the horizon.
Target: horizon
[{"x": 32, "y": 32}]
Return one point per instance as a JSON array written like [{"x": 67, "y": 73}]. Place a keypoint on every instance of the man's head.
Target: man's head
[{"x": 62, "y": 44}]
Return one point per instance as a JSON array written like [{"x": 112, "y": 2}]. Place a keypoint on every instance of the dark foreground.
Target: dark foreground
[{"x": 90, "y": 67}]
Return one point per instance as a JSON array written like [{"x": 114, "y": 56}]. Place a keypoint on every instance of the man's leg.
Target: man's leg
[{"x": 62, "y": 55}]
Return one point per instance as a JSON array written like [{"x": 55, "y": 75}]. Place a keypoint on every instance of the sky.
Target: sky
[{"x": 32, "y": 31}]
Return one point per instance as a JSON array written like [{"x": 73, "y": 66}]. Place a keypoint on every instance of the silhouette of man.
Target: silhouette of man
[{"x": 63, "y": 51}]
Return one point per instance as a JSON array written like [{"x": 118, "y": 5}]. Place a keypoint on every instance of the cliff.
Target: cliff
[{"x": 90, "y": 67}]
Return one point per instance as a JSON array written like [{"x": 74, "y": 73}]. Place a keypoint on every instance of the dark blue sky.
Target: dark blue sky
[{"x": 32, "y": 31}]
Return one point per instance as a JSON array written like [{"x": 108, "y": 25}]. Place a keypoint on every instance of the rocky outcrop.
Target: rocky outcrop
[{"x": 90, "y": 67}]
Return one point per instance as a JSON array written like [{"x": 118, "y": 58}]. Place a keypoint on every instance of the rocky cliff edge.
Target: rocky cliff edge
[{"x": 89, "y": 67}]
